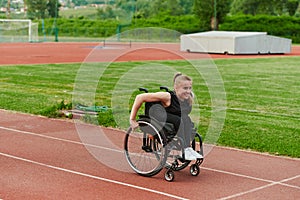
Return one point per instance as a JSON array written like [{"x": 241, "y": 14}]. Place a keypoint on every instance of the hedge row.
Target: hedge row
[
  {"x": 78, "y": 27},
  {"x": 183, "y": 24},
  {"x": 283, "y": 26},
  {"x": 106, "y": 28}
]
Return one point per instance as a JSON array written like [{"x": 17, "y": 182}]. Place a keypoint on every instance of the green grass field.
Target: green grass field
[{"x": 263, "y": 97}]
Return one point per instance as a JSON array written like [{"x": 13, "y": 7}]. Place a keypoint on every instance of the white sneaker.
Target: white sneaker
[
  {"x": 188, "y": 154},
  {"x": 194, "y": 153}
]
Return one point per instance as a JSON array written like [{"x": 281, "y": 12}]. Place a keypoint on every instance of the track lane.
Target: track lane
[
  {"x": 38, "y": 156},
  {"x": 56, "y": 183},
  {"x": 225, "y": 173},
  {"x": 43, "y": 53}
]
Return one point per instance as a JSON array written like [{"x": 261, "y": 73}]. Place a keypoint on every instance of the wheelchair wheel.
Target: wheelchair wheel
[
  {"x": 194, "y": 170},
  {"x": 144, "y": 149},
  {"x": 169, "y": 175}
]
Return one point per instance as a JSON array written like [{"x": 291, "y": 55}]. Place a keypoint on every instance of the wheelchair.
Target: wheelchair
[{"x": 153, "y": 145}]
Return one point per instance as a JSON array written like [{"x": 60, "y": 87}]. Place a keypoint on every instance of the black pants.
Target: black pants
[{"x": 183, "y": 126}]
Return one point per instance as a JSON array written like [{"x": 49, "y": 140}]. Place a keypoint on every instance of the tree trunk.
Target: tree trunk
[
  {"x": 8, "y": 9},
  {"x": 214, "y": 25}
]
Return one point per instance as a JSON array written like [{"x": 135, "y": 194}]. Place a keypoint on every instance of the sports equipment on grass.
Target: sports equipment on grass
[{"x": 18, "y": 30}]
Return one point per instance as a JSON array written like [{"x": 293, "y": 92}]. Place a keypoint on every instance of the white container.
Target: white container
[{"x": 231, "y": 42}]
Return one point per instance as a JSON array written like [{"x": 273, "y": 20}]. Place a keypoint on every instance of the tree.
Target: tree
[
  {"x": 205, "y": 11},
  {"x": 173, "y": 7},
  {"x": 149, "y": 8},
  {"x": 106, "y": 13},
  {"x": 127, "y": 5},
  {"x": 187, "y": 6},
  {"x": 53, "y": 8},
  {"x": 8, "y": 9},
  {"x": 79, "y": 2},
  {"x": 267, "y": 7},
  {"x": 292, "y": 6},
  {"x": 143, "y": 9},
  {"x": 40, "y": 9},
  {"x": 36, "y": 8}
]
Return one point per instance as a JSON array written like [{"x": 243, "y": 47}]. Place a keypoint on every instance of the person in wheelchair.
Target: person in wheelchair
[{"x": 178, "y": 105}]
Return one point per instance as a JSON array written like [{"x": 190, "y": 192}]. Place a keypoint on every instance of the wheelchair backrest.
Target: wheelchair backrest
[
  {"x": 155, "y": 111},
  {"x": 154, "y": 108}
]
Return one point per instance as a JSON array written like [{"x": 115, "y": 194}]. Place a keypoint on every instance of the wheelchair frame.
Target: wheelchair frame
[{"x": 154, "y": 146}]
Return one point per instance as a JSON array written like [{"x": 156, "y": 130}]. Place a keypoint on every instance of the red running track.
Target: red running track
[
  {"x": 37, "y": 53},
  {"x": 44, "y": 158}
]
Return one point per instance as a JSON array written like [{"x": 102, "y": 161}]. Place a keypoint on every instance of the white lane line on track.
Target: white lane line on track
[
  {"x": 79, "y": 173},
  {"x": 210, "y": 169},
  {"x": 271, "y": 183},
  {"x": 262, "y": 187},
  {"x": 92, "y": 176},
  {"x": 55, "y": 138},
  {"x": 258, "y": 179},
  {"x": 253, "y": 178}
]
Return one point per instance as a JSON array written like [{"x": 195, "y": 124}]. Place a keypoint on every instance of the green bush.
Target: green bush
[
  {"x": 55, "y": 110},
  {"x": 82, "y": 27},
  {"x": 79, "y": 27},
  {"x": 183, "y": 24},
  {"x": 106, "y": 119},
  {"x": 281, "y": 26}
]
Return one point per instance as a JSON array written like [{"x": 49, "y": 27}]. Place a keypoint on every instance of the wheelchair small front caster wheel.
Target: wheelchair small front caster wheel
[
  {"x": 194, "y": 170},
  {"x": 169, "y": 175}
]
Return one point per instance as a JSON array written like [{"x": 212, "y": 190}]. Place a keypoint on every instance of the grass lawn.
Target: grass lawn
[{"x": 263, "y": 97}]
